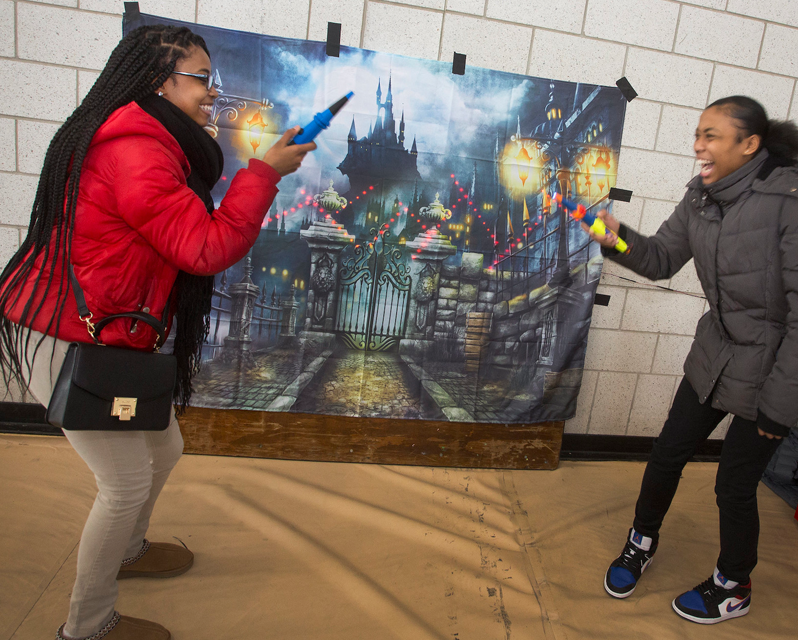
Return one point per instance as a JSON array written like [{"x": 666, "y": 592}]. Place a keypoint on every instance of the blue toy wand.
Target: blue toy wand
[{"x": 320, "y": 121}]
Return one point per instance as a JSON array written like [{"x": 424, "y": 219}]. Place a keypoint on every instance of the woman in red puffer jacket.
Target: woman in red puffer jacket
[{"x": 125, "y": 199}]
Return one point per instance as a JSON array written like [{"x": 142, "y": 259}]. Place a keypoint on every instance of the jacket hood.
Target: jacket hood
[{"x": 132, "y": 120}]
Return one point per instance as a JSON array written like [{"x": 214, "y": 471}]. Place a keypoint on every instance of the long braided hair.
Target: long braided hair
[{"x": 140, "y": 63}]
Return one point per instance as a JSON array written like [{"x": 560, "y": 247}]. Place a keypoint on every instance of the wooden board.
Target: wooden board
[{"x": 302, "y": 436}]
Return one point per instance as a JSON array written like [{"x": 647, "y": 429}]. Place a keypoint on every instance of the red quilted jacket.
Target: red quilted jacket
[{"x": 137, "y": 224}]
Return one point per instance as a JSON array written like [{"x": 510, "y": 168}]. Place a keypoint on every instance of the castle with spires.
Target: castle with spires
[{"x": 378, "y": 160}]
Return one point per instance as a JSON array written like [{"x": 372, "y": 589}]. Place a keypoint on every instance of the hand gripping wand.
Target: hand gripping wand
[
  {"x": 320, "y": 121},
  {"x": 596, "y": 225}
]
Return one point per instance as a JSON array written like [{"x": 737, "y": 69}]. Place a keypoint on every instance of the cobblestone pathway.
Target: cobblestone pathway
[
  {"x": 223, "y": 386},
  {"x": 358, "y": 383},
  {"x": 461, "y": 395}
]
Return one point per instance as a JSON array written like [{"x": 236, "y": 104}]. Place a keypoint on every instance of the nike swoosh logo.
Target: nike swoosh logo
[{"x": 731, "y": 609}]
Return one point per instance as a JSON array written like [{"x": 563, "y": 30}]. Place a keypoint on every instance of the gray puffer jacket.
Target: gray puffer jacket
[{"x": 742, "y": 233}]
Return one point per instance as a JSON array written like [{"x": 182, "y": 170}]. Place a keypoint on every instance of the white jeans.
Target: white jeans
[{"x": 131, "y": 468}]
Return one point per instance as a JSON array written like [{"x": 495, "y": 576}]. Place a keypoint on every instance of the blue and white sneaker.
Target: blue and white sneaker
[
  {"x": 714, "y": 600},
  {"x": 622, "y": 576}
]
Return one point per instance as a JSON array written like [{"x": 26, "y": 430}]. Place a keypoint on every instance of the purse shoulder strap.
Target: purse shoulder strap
[{"x": 94, "y": 329}]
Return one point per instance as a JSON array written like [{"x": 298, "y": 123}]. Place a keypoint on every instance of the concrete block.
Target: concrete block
[
  {"x": 670, "y": 355},
  {"x": 711, "y": 4},
  {"x": 177, "y": 9},
  {"x": 651, "y": 23},
  {"x": 566, "y": 15},
  {"x": 493, "y": 45},
  {"x": 584, "y": 403},
  {"x": 783, "y": 11},
  {"x": 640, "y": 124},
  {"x": 654, "y": 175},
  {"x": 86, "y": 80},
  {"x": 604, "y": 345},
  {"x": 612, "y": 403},
  {"x": 9, "y": 243},
  {"x": 34, "y": 138},
  {"x": 425, "y": 4},
  {"x": 243, "y": 15},
  {"x": 477, "y": 7},
  {"x": 609, "y": 317},
  {"x": 40, "y": 91},
  {"x": 402, "y": 30},
  {"x": 8, "y": 145},
  {"x": 447, "y": 293},
  {"x": 719, "y": 36},
  {"x": 349, "y": 13},
  {"x": 64, "y": 36},
  {"x": 661, "y": 312},
  {"x": 677, "y": 130},
  {"x": 286, "y": 18},
  {"x": 773, "y": 92},
  {"x": 780, "y": 50},
  {"x": 651, "y": 404},
  {"x": 628, "y": 212},
  {"x": 573, "y": 58},
  {"x": 665, "y": 77},
  {"x": 63, "y": 3},
  {"x": 687, "y": 280},
  {"x": 614, "y": 274},
  {"x": 16, "y": 198},
  {"x": 7, "y": 36},
  {"x": 654, "y": 214}
]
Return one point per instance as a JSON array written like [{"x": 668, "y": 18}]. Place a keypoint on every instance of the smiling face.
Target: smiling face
[
  {"x": 190, "y": 93},
  {"x": 721, "y": 147}
]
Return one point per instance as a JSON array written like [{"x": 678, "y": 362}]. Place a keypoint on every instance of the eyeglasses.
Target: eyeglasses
[{"x": 207, "y": 79}]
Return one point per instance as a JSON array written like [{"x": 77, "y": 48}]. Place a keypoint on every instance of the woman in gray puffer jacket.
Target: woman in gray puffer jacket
[{"x": 739, "y": 223}]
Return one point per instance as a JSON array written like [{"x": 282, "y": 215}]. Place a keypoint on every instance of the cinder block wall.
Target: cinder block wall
[{"x": 679, "y": 56}]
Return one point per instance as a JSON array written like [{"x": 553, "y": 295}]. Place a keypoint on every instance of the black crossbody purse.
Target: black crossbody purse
[{"x": 101, "y": 388}]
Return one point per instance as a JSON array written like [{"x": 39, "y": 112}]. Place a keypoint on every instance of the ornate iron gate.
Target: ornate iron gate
[{"x": 374, "y": 295}]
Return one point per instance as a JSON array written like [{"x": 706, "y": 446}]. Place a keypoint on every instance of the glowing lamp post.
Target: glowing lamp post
[
  {"x": 523, "y": 161},
  {"x": 256, "y": 125},
  {"x": 601, "y": 167}
]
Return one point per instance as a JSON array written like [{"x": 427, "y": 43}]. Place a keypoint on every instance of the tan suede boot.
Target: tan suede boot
[
  {"x": 157, "y": 560},
  {"x": 126, "y": 628}
]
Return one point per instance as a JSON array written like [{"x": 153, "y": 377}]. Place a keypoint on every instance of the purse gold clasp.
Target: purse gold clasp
[{"x": 125, "y": 408}]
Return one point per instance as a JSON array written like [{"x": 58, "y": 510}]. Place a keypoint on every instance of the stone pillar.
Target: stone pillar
[
  {"x": 427, "y": 251},
  {"x": 243, "y": 294},
  {"x": 326, "y": 240},
  {"x": 288, "y": 323}
]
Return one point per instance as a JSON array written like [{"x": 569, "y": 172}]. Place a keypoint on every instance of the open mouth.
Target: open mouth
[
  {"x": 706, "y": 167},
  {"x": 206, "y": 108}
]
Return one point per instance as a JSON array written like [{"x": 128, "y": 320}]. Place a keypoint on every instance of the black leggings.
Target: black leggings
[{"x": 743, "y": 459}]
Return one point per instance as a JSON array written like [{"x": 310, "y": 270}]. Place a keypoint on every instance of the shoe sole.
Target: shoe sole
[
  {"x": 123, "y": 575},
  {"x": 621, "y": 596},
  {"x": 687, "y": 616}
]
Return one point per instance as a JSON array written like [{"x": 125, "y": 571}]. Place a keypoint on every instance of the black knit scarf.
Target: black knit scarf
[{"x": 193, "y": 293}]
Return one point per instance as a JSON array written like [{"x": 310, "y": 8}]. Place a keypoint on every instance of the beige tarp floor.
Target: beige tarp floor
[{"x": 296, "y": 550}]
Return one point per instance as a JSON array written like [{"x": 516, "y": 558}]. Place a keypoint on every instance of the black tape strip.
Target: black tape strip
[
  {"x": 623, "y": 195},
  {"x": 602, "y": 300},
  {"x": 132, "y": 10},
  {"x": 626, "y": 89},
  {"x": 458, "y": 64},
  {"x": 334, "y": 39}
]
